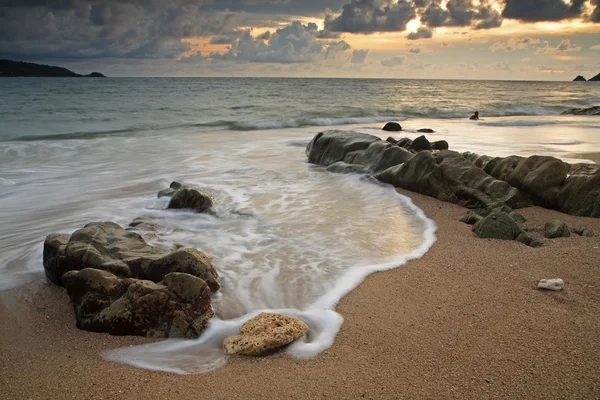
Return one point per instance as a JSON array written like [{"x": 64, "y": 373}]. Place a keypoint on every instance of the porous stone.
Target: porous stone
[
  {"x": 265, "y": 333},
  {"x": 551, "y": 284},
  {"x": 556, "y": 229}
]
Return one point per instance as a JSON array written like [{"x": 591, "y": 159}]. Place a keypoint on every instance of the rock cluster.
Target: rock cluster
[
  {"x": 117, "y": 282},
  {"x": 264, "y": 334},
  {"x": 467, "y": 179}
]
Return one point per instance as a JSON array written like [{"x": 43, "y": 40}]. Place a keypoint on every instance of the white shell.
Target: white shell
[{"x": 551, "y": 284}]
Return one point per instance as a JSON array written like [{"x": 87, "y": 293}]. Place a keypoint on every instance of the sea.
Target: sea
[{"x": 287, "y": 236}]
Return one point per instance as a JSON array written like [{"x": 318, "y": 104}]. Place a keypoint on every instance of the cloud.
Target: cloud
[
  {"x": 542, "y": 10},
  {"x": 504, "y": 66},
  {"x": 596, "y": 47},
  {"x": 415, "y": 50},
  {"x": 106, "y": 29},
  {"x": 421, "y": 33},
  {"x": 393, "y": 62},
  {"x": 359, "y": 56},
  {"x": 461, "y": 13},
  {"x": 564, "y": 46},
  {"x": 551, "y": 70},
  {"x": 514, "y": 44},
  {"x": 295, "y": 43},
  {"x": 370, "y": 16}
]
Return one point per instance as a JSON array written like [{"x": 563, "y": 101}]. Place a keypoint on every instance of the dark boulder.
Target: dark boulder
[
  {"x": 497, "y": 225},
  {"x": 392, "y": 127},
  {"x": 579, "y": 78},
  {"x": 556, "y": 229},
  {"x": 448, "y": 176},
  {"x": 404, "y": 143},
  {"x": 440, "y": 145},
  {"x": 177, "y": 307},
  {"x": 595, "y": 78},
  {"x": 551, "y": 183},
  {"x": 471, "y": 218},
  {"x": 192, "y": 199},
  {"x": 108, "y": 247},
  {"x": 391, "y": 140},
  {"x": 426, "y": 130},
  {"x": 341, "y": 167},
  {"x": 419, "y": 144}
]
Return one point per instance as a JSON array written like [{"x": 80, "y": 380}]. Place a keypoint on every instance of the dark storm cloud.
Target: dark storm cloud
[
  {"x": 542, "y": 10},
  {"x": 595, "y": 17},
  {"x": 289, "y": 7},
  {"x": 461, "y": 13},
  {"x": 369, "y": 16},
  {"x": 114, "y": 29},
  {"x": 295, "y": 43}
]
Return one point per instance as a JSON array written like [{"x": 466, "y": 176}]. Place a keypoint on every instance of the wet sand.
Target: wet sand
[{"x": 465, "y": 321}]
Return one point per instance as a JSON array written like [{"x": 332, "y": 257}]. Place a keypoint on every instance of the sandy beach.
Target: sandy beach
[{"x": 465, "y": 321}]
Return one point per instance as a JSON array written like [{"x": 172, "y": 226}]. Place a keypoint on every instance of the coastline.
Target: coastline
[{"x": 465, "y": 321}]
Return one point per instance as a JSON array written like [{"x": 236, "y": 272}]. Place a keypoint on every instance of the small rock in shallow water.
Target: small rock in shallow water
[
  {"x": 551, "y": 284},
  {"x": 392, "y": 127},
  {"x": 425, "y": 130}
]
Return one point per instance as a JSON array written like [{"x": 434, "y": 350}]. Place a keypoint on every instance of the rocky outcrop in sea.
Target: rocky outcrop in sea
[{"x": 467, "y": 179}]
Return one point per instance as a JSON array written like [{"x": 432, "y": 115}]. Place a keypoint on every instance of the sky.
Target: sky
[{"x": 442, "y": 39}]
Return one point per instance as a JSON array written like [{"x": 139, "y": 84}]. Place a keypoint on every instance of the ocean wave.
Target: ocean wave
[
  {"x": 518, "y": 123},
  {"x": 296, "y": 123}
]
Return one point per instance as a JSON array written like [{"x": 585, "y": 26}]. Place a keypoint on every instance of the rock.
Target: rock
[
  {"x": 166, "y": 193},
  {"x": 419, "y": 144},
  {"x": 192, "y": 199},
  {"x": 551, "y": 284},
  {"x": 176, "y": 185},
  {"x": 579, "y": 78},
  {"x": 391, "y": 140},
  {"x": 404, "y": 143},
  {"x": 497, "y": 225},
  {"x": 528, "y": 240},
  {"x": 471, "y": 218},
  {"x": 144, "y": 224},
  {"x": 445, "y": 174},
  {"x": 583, "y": 111},
  {"x": 264, "y": 334},
  {"x": 440, "y": 145},
  {"x": 107, "y": 246},
  {"x": 518, "y": 218},
  {"x": 556, "y": 229},
  {"x": 476, "y": 159},
  {"x": 179, "y": 306},
  {"x": 426, "y": 130},
  {"x": 450, "y": 177},
  {"x": 583, "y": 232},
  {"x": 341, "y": 167},
  {"x": 392, "y": 127},
  {"x": 551, "y": 183},
  {"x": 596, "y": 78},
  {"x": 353, "y": 148}
]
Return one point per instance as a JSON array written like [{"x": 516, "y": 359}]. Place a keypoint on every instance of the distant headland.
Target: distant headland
[
  {"x": 10, "y": 68},
  {"x": 582, "y": 79}
]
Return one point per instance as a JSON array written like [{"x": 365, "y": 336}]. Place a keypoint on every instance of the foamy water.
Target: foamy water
[{"x": 288, "y": 236}]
